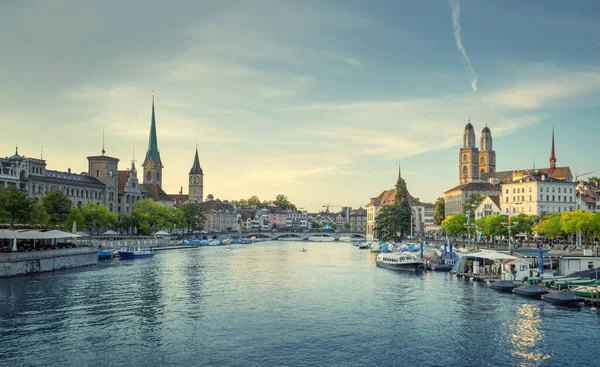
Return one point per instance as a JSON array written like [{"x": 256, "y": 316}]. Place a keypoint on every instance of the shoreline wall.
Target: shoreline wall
[{"x": 31, "y": 262}]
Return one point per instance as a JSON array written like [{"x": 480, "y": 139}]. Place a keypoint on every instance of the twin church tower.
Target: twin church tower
[
  {"x": 475, "y": 163},
  {"x": 153, "y": 166}
]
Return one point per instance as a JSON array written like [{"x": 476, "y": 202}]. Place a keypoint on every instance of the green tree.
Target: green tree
[
  {"x": 392, "y": 222},
  {"x": 551, "y": 226},
  {"x": 347, "y": 225},
  {"x": 178, "y": 218},
  {"x": 15, "y": 205},
  {"x": 254, "y": 201},
  {"x": 153, "y": 217},
  {"x": 282, "y": 201},
  {"x": 193, "y": 216},
  {"x": 39, "y": 215},
  {"x": 57, "y": 205},
  {"x": 440, "y": 211},
  {"x": 97, "y": 217},
  {"x": 127, "y": 223},
  {"x": 577, "y": 221},
  {"x": 315, "y": 225},
  {"x": 495, "y": 226},
  {"x": 472, "y": 203},
  {"x": 455, "y": 225},
  {"x": 75, "y": 216},
  {"x": 594, "y": 179},
  {"x": 401, "y": 190}
]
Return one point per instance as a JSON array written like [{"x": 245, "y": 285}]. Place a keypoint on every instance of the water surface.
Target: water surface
[{"x": 270, "y": 304}]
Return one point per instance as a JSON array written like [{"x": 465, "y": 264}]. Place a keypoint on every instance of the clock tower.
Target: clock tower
[
  {"x": 105, "y": 168},
  {"x": 196, "y": 184}
]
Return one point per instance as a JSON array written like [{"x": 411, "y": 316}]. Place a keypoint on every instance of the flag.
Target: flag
[{"x": 509, "y": 221}]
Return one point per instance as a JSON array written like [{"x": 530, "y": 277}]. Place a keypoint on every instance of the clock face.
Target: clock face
[
  {"x": 111, "y": 173},
  {"x": 194, "y": 180}
]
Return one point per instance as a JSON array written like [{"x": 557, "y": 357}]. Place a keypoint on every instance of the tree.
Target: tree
[
  {"x": 316, "y": 225},
  {"x": 254, "y": 201},
  {"x": 193, "y": 216},
  {"x": 401, "y": 190},
  {"x": 495, "y": 225},
  {"x": 471, "y": 204},
  {"x": 39, "y": 215},
  {"x": 551, "y": 227},
  {"x": 75, "y": 216},
  {"x": 127, "y": 222},
  {"x": 455, "y": 225},
  {"x": 440, "y": 211},
  {"x": 57, "y": 205},
  {"x": 595, "y": 225},
  {"x": 153, "y": 217},
  {"x": 576, "y": 221},
  {"x": 97, "y": 217},
  {"x": 15, "y": 205},
  {"x": 347, "y": 225},
  {"x": 524, "y": 224},
  {"x": 282, "y": 201},
  {"x": 392, "y": 222},
  {"x": 594, "y": 179}
]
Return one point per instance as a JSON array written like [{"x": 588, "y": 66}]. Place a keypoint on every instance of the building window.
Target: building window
[
  {"x": 553, "y": 198},
  {"x": 148, "y": 176}
]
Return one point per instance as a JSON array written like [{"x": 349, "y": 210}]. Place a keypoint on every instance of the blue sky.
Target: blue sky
[{"x": 315, "y": 99}]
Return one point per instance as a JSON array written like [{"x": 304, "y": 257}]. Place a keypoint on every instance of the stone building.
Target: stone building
[
  {"x": 130, "y": 190},
  {"x": 220, "y": 216},
  {"x": 474, "y": 163},
  {"x": 196, "y": 183},
  {"x": 358, "y": 220},
  {"x": 457, "y": 196}
]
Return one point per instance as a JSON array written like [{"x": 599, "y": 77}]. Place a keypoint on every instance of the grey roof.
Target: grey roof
[{"x": 73, "y": 177}]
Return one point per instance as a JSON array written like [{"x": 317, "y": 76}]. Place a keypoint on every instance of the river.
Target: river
[{"x": 268, "y": 304}]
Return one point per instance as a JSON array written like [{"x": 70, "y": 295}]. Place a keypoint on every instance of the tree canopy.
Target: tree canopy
[
  {"x": 440, "y": 211},
  {"x": 15, "y": 205},
  {"x": 57, "y": 206},
  {"x": 471, "y": 204},
  {"x": 392, "y": 222},
  {"x": 193, "y": 216}
]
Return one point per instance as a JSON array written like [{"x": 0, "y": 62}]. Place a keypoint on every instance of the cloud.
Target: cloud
[{"x": 455, "y": 5}]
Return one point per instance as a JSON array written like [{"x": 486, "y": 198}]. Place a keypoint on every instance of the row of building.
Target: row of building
[{"x": 532, "y": 191}]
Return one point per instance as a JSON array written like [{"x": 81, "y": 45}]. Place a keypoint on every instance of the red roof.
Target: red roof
[{"x": 122, "y": 178}]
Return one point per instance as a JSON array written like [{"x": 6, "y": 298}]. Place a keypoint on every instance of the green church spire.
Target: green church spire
[{"x": 153, "y": 153}]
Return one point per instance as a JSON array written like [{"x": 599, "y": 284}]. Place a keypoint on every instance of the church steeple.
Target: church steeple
[
  {"x": 196, "y": 169},
  {"x": 552, "y": 155},
  {"x": 152, "y": 163},
  {"x": 399, "y": 170}
]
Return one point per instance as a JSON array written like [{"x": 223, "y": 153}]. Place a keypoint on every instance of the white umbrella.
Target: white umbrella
[{"x": 74, "y": 230}]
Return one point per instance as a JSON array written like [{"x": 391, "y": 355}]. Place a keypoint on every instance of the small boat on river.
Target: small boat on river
[
  {"x": 530, "y": 290},
  {"x": 400, "y": 261},
  {"x": 128, "y": 253},
  {"x": 443, "y": 267},
  {"x": 587, "y": 292},
  {"x": 562, "y": 298},
  {"x": 570, "y": 282},
  {"x": 321, "y": 238},
  {"x": 503, "y": 285},
  {"x": 105, "y": 255},
  {"x": 363, "y": 246}
]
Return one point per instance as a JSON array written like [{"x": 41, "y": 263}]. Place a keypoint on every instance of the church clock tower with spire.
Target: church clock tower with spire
[
  {"x": 196, "y": 184},
  {"x": 152, "y": 163}
]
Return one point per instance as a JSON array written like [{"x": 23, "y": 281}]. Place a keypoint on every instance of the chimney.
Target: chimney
[
  {"x": 543, "y": 177},
  {"x": 69, "y": 170}
]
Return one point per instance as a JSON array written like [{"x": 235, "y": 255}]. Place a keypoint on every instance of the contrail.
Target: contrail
[{"x": 455, "y": 5}]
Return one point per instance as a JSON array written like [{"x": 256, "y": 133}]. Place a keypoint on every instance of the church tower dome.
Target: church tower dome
[
  {"x": 468, "y": 157},
  {"x": 487, "y": 156}
]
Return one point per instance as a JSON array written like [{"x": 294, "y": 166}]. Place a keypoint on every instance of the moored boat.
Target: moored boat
[
  {"x": 321, "y": 238},
  {"x": 587, "y": 291},
  {"x": 400, "y": 261},
  {"x": 105, "y": 255},
  {"x": 127, "y": 253},
  {"x": 503, "y": 285},
  {"x": 345, "y": 239},
  {"x": 530, "y": 290},
  {"x": 443, "y": 267},
  {"x": 363, "y": 246},
  {"x": 567, "y": 283},
  {"x": 562, "y": 298}
]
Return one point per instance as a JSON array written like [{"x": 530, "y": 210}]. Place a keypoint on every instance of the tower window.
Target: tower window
[
  {"x": 157, "y": 176},
  {"x": 148, "y": 176},
  {"x": 97, "y": 173}
]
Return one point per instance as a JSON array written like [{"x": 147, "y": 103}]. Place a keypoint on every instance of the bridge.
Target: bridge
[{"x": 354, "y": 236}]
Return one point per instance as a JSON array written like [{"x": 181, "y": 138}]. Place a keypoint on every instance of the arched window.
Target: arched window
[
  {"x": 79, "y": 204},
  {"x": 482, "y": 160},
  {"x": 464, "y": 157},
  {"x": 465, "y": 171},
  {"x": 97, "y": 173},
  {"x": 148, "y": 176},
  {"x": 33, "y": 188},
  {"x": 157, "y": 176},
  {"x": 481, "y": 173}
]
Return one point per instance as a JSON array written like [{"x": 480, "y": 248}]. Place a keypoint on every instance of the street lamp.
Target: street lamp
[
  {"x": 509, "y": 225},
  {"x": 469, "y": 225}
]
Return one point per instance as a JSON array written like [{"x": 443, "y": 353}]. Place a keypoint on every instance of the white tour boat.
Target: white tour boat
[
  {"x": 400, "y": 261},
  {"x": 321, "y": 238}
]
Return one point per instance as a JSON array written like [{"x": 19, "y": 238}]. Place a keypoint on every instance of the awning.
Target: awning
[{"x": 35, "y": 234}]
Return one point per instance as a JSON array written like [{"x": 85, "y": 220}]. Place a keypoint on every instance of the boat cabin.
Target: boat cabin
[{"x": 515, "y": 269}]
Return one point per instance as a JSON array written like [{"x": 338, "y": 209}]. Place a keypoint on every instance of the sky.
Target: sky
[{"x": 318, "y": 100}]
